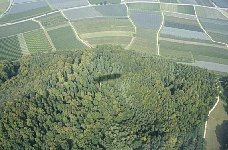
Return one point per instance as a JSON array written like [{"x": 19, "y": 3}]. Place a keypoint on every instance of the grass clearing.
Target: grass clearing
[
  {"x": 215, "y": 129},
  {"x": 64, "y": 39},
  {"x": 37, "y": 41}
]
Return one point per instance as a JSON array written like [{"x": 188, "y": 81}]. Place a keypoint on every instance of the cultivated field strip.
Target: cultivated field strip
[
  {"x": 65, "y": 39},
  {"x": 24, "y": 11},
  {"x": 47, "y": 35},
  {"x": 37, "y": 41},
  {"x": 95, "y": 30},
  {"x": 10, "y": 48},
  {"x": 113, "y": 11},
  {"x": 60, "y": 4},
  {"x": 52, "y": 20},
  {"x": 23, "y": 45},
  {"x": 18, "y": 28}
]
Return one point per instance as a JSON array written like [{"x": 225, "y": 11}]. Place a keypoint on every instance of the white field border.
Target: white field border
[
  {"x": 47, "y": 35},
  {"x": 75, "y": 32},
  {"x": 158, "y": 33},
  {"x": 129, "y": 18}
]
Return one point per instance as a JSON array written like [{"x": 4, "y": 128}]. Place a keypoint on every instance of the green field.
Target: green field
[
  {"x": 185, "y": 9},
  {"x": 64, "y": 39},
  {"x": 216, "y": 127},
  {"x": 52, "y": 20},
  {"x": 105, "y": 31},
  {"x": 37, "y": 41},
  {"x": 3, "y": 5},
  {"x": 219, "y": 37},
  {"x": 144, "y": 6},
  {"x": 197, "y": 50},
  {"x": 205, "y": 12},
  {"x": 10, "y": 48},
  {"x": 24, "y": 15},
  {"x": 104, "y": 1},
  {"x": 145, "y": 41}
]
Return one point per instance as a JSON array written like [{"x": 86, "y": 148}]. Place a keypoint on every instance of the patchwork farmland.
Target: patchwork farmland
[
  {"x": 193, "y": 32},
  {"x": 181, "y": 30}
]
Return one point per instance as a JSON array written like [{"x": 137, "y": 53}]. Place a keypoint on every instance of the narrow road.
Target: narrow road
[
  {"x": 158, "y": 33},
  {"x": 205, "y": 127},
  {"x": 75, "y": 32}
]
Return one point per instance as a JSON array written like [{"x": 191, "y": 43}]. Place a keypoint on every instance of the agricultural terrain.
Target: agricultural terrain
[{"x": 192, "y": 32}]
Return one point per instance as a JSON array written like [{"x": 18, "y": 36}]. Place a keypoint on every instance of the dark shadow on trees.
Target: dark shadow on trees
[
  {"x": 107, "y": 77},
  {"x": 222, "y": 135}
]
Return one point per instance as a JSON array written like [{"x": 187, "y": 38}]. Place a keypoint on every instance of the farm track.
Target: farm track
[
  {"x": 133, "y": 36},
  {"x": 205, "y": 127},
  {"x": 47, "y": 35},
  {"x": 158, "y": 33},
  {"x": 75, "y": 32},
  {"x": 192, "y": 43}
]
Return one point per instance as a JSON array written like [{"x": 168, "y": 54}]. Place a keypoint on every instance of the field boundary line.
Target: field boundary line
[
  {"x": 47, "y": 35},
  {"x": 8, "y": 8},
  {"x": 205, "y": 127},
  {"x": 129, "y": 18},
  {"x": 158, "y": 32},
  {"x": 75, "y": 32},
  {"x": 205, "y": 30}
]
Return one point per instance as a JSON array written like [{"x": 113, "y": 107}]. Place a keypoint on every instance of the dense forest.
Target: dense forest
[{"x": 103, "y": 98}]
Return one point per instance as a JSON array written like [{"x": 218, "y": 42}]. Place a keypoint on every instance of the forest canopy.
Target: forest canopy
[{"x": 103, "y": 98}]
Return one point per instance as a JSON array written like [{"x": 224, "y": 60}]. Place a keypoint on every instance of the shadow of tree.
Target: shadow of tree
[
  {"x": 222, "y": 135},
  {"x": 107, "y": 77}
]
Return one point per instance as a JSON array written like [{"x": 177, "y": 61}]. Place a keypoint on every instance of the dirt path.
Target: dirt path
[
  {"x": 205, "y": 127},
  {"x": 158, "y": 33}
]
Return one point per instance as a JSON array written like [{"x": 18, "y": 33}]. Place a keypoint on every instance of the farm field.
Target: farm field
[
  {"x": 105, "y": 30},
  {"x": 204, "y": 3},
  {"x": 24, "y": 11},
  {"x": 105, "y": 11},
  {"x": 184, "y": 9},
  {"x": 216, "y": 127},
  {"x": 37, "y": 41},
  {"x": 221, "y": 3},
  {"x": 145, "y": 41},
  {"x": 104, "y": 1},
  {"x": 3, "y": 6},
  {"x": 147, "y": 25},
  {"x": 18, "y": 28},
  {"x": 214, "y": 53},
  {"x": 65, "y": 40},
  {"x": 59, "y": 4},
  {"x": 10, "y": 48},
  {"x": 216, "y": 24},
  {"x": 211, "y": 13},
  {"x": 52, "y": 20},
  {"x": 142, "y": 6}
]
